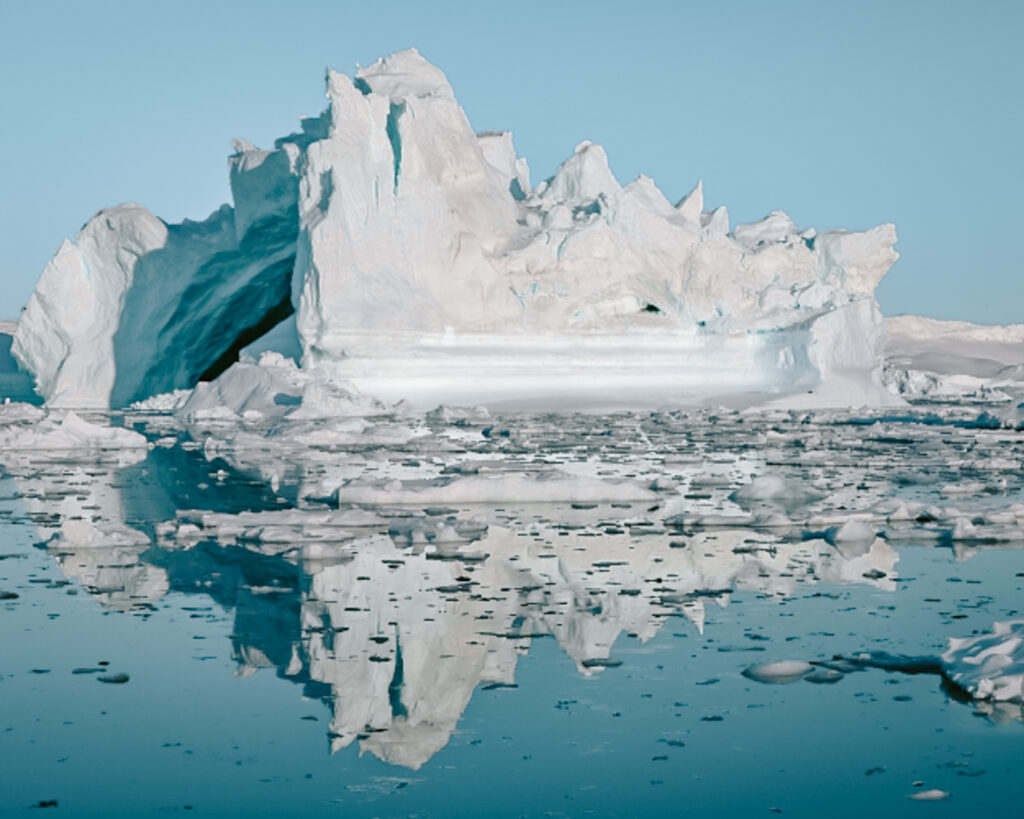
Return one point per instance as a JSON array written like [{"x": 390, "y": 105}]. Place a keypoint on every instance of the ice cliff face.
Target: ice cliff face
[
  {"x": 422, "y": 264},
  {"x": 411, "y": 221}
]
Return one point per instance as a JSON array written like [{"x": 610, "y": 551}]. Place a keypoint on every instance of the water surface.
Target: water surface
[{"x": 574, "y": 657}]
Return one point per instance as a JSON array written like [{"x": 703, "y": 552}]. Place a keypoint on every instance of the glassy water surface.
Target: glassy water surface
[{"x": 529, "y": 615}]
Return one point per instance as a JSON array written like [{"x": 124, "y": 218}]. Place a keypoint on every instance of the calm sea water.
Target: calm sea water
[{"x": 504, "y": 658}]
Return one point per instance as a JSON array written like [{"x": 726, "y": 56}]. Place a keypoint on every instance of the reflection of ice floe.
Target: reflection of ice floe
[
  {"x": 116, "y": 576},
  {"x": 78, "y": 515},
  {"x": 776, "y": 489}
]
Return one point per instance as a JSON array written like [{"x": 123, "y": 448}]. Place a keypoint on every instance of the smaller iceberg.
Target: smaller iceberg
[{"x": 989, "y": 666}]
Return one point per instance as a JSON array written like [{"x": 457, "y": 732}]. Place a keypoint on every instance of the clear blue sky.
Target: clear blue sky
[{"x": 843, "y": 114}]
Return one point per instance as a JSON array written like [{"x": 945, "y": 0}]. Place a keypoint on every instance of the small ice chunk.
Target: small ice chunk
[
  {"x": 778, "y": 672},
  {"x": 930, "y": 795},
  {"x": 774, "y": 487},
  {"x": 164, "y": 402}
]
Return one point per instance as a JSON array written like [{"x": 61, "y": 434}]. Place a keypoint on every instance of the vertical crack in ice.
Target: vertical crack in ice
[
  {"x": 396, "y": 110},
  {"x": 326, "y": 190}
]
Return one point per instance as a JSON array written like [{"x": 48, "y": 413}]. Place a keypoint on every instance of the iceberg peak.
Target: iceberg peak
[
  {"x": 691, "y": 206},
  {"x": 583, "y": 177},
  {"x": 404, "y": 75}
]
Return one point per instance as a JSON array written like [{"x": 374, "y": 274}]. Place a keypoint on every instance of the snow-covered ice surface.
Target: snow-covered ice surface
[
  {"x": 423, "y": 265},
  {"x": 330, "y": 601}
]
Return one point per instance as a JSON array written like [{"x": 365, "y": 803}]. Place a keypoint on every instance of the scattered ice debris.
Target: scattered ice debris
[
  {"x": 549, "y": 557},
  {"x": 907, "y": 664},
  {"x": 164, "y": 402},
  {"x": 65, "y": 436},
  {"x": 987, "y": 668},
  {"x": 275, "y": 387},
  {"x": 19, "y": 412}
]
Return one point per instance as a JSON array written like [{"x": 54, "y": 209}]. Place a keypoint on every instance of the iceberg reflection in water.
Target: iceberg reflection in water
[{"x": 395, "y": 572}]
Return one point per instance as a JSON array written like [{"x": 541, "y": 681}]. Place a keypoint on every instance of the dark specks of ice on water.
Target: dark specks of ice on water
[{"x": 273, "y": 644}]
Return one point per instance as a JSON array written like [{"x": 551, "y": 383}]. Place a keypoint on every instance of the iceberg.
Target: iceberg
[
  {"x": 421, "y": 264},
  {"x": 954, "y": 360}
]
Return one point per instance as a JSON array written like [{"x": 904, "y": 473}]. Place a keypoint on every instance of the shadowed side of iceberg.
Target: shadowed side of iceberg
[
  {"x": 15, "y": 383},
  {"x": 136, "y": 307}
]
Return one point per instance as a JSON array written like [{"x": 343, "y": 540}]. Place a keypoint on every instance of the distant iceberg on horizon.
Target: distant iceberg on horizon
[{"x": 394, "y": 249}]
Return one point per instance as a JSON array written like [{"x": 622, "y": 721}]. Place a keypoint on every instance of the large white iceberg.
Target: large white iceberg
[{"x": 422, "y": 264}]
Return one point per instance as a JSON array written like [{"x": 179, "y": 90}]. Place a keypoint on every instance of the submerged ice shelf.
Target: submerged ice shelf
[{"x": 422, "y": 264}]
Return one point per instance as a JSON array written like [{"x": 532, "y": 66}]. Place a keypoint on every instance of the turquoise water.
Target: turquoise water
[{"x": 603, "y": 678}]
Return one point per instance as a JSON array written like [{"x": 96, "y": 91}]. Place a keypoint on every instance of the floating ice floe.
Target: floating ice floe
[
  {"x": 777, "y": 489},
  {"x": 28, "y": 434},
  {"x": 930, "y": 795},
  {"x": 543, "y": 487},
  {"x": 989, "y": 666},
  {"x": 275, "y": 387},
  {"x": 164, "y": 402},
  {"x": 779, "y": 672}
]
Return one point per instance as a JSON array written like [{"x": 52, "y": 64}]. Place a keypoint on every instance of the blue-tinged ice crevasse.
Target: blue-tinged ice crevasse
[{"x": 422, "y": 264}]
